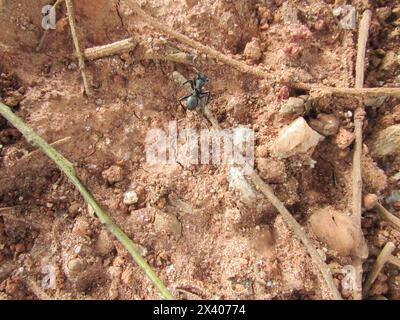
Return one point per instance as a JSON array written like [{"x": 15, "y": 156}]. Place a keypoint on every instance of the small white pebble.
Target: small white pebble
[
  {"x": 78, "y": 249},
  {"x": 349, "y": 114},
  {"x": 130, "y": 197}
]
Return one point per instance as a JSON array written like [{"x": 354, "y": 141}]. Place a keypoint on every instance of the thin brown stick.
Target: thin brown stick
[
  {"x": 291, "y": 222},
  {"x": 256, "y": 71},
  {"x": 387, "y": 215},
  {"x": 358, "y": 123},
  {"x": 357, "y": 203},
  {"x": 361, "y": 92},
  {"x": 37, "y": 151},
  {"x": 72, "y": 23},
  {"x": 379, "y": 263},
  {"x": 362, "y": 47}
]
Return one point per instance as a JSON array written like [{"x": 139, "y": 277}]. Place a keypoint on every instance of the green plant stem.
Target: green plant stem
[{"x": 66, "y": 167}]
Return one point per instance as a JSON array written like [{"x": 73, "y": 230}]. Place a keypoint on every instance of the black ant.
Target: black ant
[{"x": 197, "y": 95}]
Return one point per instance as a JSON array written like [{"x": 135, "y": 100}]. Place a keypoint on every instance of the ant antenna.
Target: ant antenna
[{"x": 197, "y": 71}]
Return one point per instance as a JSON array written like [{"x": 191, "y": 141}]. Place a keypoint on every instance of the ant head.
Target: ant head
[{"x": 203, "y": 77}]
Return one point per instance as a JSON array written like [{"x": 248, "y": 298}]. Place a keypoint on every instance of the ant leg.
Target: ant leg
[
  {"x": 191, "y": 83},
  {"x": 205, "y": 94}
]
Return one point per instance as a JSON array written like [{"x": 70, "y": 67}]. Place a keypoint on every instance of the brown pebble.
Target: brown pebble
[
  {"x": 104, "y": 244},
  {"x": 396, "y": 205},
  {"x": 344, "y": 138},
  {"x": 113, "y": 174},
  {"x": 166, "y": 223},
  {"x": 12, "y": 286},
  {"x": 284, "y": 93},
  {"x": 142, "y": 216},
  {"x": 336, "y": 229},
  {"x": 325, "y": 124},
  {"x": 161, "y": 203},
  {"x": 75, "y": 267},
  {"x": 113, "y": 292},
  {"x": 73, "y": 209},
  {"x": 380, "y": 286},
  {"x": 271, "y": 170},
  {"x": 319, "y": 24},
  {"x": 14, "y": 99},
  {"x": 81, "y": 227},
  {"x": 374, "y": 178},
  {"x": 370, "y": 200},
  {"x": 19, "y": 247},
  {"x": 127, "y": 275},
  {"x": 252, "y": 50},
  {"x": 141, "y": 192}
]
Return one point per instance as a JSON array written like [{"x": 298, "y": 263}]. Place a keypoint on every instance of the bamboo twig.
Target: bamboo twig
[
  {"x": 141, "y": 52},
  {"x": 291, "y": 222},
  {"x": 72, "y": 24},
  {"x": 178, "y": 57},
  {"x": 387, "y": 215},
  {"x": 110, "y": 49},
  {"x": 359, "y": 115},
  {"x": 256, "y": 71},
  {"x": 376, "y": 269},
  {"x": 66, "y": 167}
]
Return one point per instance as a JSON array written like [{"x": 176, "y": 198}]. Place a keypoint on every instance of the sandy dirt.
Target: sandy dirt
[{"x": 52, "y": 246}]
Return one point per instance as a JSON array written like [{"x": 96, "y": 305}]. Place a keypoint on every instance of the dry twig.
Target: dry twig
[
  {"x": 359, "y": 114},
  {"x": 379, "y": 263},
  {"x": 385, "y": 214},
  {"x": 72, "y": 23}
]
